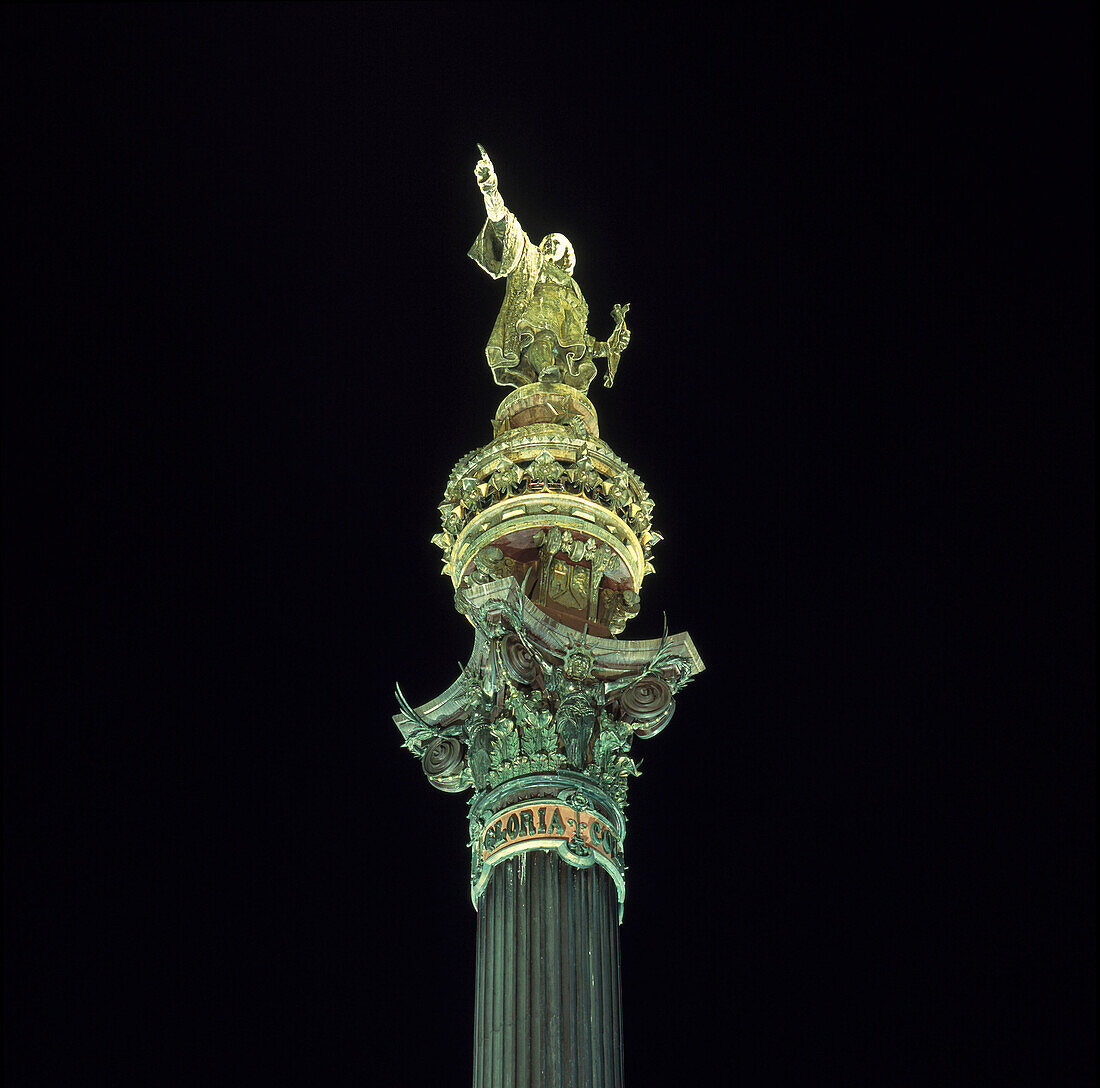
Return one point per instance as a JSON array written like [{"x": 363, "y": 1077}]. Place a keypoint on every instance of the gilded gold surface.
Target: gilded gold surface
[
  {"x": 567, "y": 513},
  {"x": 550, "y": 403},
  {"x": 541, "y": 331},
  {"x": 553, "y": 475}
]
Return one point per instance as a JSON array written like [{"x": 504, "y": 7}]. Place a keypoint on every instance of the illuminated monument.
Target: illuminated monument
[{"x": 546, "y": 536}]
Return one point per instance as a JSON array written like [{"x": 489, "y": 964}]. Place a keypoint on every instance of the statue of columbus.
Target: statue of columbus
[{"x": 541, "y": 331}]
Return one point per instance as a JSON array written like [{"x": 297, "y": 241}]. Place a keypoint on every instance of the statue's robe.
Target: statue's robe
[{"x": 539, "y": 297}]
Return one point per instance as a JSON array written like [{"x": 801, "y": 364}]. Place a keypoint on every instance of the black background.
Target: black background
[{"x": 243, "y": 349}]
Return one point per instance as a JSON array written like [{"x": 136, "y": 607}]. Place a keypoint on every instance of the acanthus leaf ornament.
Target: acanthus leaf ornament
[{"x": 544, "y": 470}]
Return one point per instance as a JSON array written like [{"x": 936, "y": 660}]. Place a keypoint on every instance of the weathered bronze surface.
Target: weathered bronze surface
[
  {"x": 548, "y": 1012},
  {"x": 549, "y": 711},
  {"x": 546, "y": 536}
]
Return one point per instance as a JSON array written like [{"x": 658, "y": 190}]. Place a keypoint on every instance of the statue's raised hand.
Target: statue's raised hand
[
  {"x": 484, "y": 173},
  {"x": 486, "y": 178}
]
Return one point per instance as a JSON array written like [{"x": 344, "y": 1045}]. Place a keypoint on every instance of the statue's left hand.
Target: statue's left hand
[
  {"x": 616, "y": 342},
  {"x": 620, "y": 335}
]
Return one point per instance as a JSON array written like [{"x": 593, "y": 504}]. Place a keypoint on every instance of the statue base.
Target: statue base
[{"x": 546, "y": 402}]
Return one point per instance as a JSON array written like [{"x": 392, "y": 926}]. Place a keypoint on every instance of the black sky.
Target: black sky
[{"x": 243, "y": 349}]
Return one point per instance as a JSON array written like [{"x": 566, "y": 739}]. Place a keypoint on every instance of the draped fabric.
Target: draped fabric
[{"x": 539, "y": 297}]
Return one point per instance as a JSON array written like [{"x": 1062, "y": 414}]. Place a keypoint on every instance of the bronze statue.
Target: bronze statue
[{"x": 541, "y": 331}]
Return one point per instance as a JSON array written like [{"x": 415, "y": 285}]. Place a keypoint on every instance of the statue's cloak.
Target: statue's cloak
[{"x": 539, "y": 297}]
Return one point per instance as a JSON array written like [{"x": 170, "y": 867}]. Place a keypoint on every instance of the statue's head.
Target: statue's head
[
  {"x": 578, "y": 661},
  {"x": 559, "y": 250}
]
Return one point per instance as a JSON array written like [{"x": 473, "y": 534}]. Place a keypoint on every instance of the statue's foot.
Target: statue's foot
[{"x": 550, "y": 374}]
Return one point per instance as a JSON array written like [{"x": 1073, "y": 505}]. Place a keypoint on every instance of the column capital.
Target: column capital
[{"x": 544, "y": 713}]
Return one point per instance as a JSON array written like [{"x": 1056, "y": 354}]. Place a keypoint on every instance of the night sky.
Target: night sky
[{"x": 243, "y": 348}]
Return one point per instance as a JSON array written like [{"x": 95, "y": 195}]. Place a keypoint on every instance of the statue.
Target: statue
[{"x": 541, "y": 331}]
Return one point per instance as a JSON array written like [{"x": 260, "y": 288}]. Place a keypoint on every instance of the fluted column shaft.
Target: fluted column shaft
[{"x": 549, "y": 1002}]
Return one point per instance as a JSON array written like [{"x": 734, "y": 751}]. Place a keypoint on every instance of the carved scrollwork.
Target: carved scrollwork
[
  {"x": 546, "y": 460},
  {"x": 519, "y": 662},
  {"x": 532, "y": 705},
  {"x": 443, "y": 759},
  {"x": 646, "y": 699}
]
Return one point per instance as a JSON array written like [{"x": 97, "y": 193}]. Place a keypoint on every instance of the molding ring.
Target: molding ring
[{"x": 542, "y": 509}]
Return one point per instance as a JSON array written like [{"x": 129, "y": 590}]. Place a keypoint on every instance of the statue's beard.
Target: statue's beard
[{"x": 561, "y": 264}]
